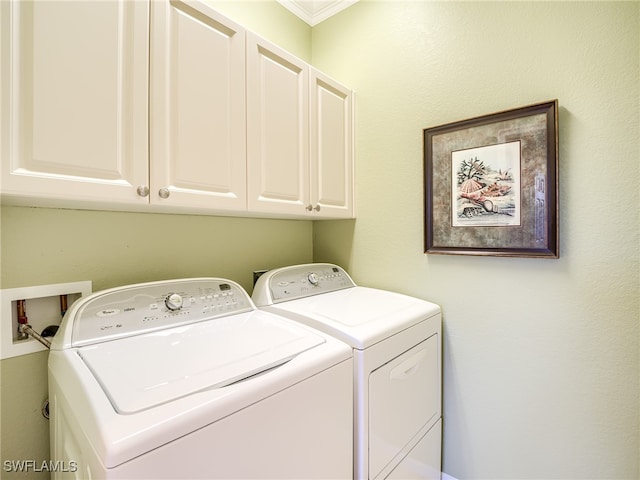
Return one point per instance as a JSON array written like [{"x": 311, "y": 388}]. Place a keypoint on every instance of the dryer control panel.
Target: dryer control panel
[
  {"x": 142, "y": 308},
  {"x": 299, "y": 281}
]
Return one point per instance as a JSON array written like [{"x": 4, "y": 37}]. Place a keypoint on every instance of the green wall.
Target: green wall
[
  {"x": 42, "y": 246},
  {"x": 541, "y": 357}
]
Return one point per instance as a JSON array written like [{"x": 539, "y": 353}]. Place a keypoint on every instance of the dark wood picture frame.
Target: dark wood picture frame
[{"x": 491, "y": 184}]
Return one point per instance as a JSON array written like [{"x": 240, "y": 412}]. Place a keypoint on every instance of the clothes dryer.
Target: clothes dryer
[
  {"x": 396, "y": 340},
  {"x": 187, "y": 379}
]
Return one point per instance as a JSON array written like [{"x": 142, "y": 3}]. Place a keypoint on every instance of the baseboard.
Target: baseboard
[{"x": 447, "y": 477}]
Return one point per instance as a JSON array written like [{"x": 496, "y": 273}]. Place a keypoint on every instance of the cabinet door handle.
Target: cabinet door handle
[
  {"x": 143, "y": 190},
  {"x": 164, "y": 193},
  {"x": 311, "y": 208}
]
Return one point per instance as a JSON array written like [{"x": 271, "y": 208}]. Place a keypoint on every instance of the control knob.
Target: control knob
[
  {"x": 173, "y": 301},
  {"x": 313, "y": 279}
]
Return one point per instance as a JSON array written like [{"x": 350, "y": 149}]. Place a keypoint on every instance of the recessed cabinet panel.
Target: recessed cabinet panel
[
  {"x": 75, "y": 86},
  {"x": 277, "y": 129},
  {"x": 331, "y": 147},
  {"x": 198, "y": 108}
]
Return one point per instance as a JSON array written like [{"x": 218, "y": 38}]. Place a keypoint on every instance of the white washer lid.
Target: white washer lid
[
  {"x": 359, "y": 316},
  {"x": 143, "y": 371}
]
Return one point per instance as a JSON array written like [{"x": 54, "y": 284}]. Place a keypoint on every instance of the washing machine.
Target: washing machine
[
  {"x": 396, "y": 341},
  {"x": 187, "y": 379}
]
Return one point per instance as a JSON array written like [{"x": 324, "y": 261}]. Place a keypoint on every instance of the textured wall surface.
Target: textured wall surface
[{"x": 541, "y": 364}]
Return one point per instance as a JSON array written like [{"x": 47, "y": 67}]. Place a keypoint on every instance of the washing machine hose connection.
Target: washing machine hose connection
[{"x": 27, "y": 330}]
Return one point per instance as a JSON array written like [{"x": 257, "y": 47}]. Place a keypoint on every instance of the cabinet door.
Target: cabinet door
[
  {"x": 197, "y": 112},
  {"x": 331, "y": 141},
  {"x": 74, "y": 101},
  {"x": 277, "y": 129}
]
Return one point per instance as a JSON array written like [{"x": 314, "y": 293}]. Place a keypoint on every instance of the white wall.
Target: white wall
[{"x": 541, "y": 363}]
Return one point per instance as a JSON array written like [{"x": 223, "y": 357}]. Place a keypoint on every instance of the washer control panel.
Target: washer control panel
[
  {"x": 301, "y": 281},
  {"x": 142, "y": 308}
]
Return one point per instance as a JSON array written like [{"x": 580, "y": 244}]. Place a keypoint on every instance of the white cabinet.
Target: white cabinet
[
  {"x": 299, "y": 137},
  {"x": 79, "y": 125},
  {"x": 277, "y": 129},
  {"x": 166, "y": 106},
  {"x": 331, "y": 147},
  {"x": 197, "y": 108},
  {"x": 74, "y": 100}
]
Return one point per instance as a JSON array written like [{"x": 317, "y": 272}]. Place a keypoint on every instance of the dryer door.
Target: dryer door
[{"x": 404, "y": 396}]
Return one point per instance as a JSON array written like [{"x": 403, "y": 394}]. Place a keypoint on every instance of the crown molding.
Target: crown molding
[{"x": 315, "y": 11}]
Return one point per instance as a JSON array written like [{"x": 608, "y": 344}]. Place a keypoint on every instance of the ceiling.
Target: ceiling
[{"x": 315, "y": 11}]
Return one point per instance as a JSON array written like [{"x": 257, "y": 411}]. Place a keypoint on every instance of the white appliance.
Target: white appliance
[
  {"x": 396, "y": 341},
  {"x": 187, "y": 379}
]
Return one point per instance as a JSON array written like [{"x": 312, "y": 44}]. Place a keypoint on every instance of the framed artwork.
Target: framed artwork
[{"x": 491, "y": 184}]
